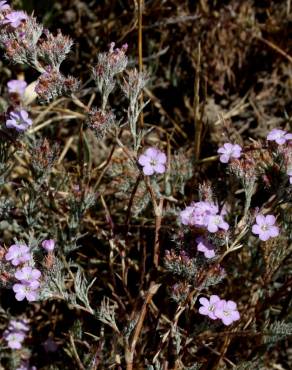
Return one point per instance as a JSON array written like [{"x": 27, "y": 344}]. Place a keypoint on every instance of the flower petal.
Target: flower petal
[
  {"x": 148, "y": 170},
  {"x": 204, "y": 301},
  {"x": 270, "y": 219},
  {"x": 144, "y": 160}
]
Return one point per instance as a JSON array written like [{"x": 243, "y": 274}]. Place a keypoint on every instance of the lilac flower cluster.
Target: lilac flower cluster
[
  {"x": 204, "y": 215},
  {"x": 152, "y": 161},
  {"x": 216, "y": 308},
  {"x": 28, "y": 277},
  {"x": 16, "y": 333}
]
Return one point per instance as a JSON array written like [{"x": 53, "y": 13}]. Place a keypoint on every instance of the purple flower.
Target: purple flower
[
  {"x": 25, "y": 291},
  {"x": 265, "y": 228},
  {"x": 208, "y": 306},
  {"x": 196, "y": 213},
  {"x": 48, "y": 245},
  {"x": 15, "y": 339},
  {"x": 205, "y": 247},
  {"x": 228, "y": 151},
  {"x": 152, "y": 161},
  {"x": 216, "y": 222},
  {"x": 28, "y": 276},
  {"x": 17, "y": 326},
  {"x": 4, "y": 5},
  {"x": 279, "y": 136},
  {"x": 19, "y": 120},
  {"x": 226, "y": 311},
  {"x": 15, "y": 18},
  {"x": 16, "y": 87},
  {"x": 17, "y": 254}
]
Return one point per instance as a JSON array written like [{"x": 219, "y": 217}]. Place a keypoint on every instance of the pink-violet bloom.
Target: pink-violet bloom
[
  {"x": 19, "y": 120},
  {"x": 265, "y": 227},
  {"x": 196, "y": 213},
  {"x": 15, "y": 339},
  {"x": 208, "y": 306},
  {"x": 153, "y": 161},
  {"x": 18, "y": 254},
  {"x": 15, "y": 18},
  {"x": 16, "y": 87},
  {"x": 227, "y": 312},
  {"x": 228, "y": 151},
  {"x": 18, "y": 326},
  {"x": 25, "y": 291},
  {"x": 4, "y": 6},
  {"x": 279, "y": 136},
  {"x": 48, "y": 245},
  {"x": 28, "y": 276},
  {"x": 216, "y": 222},
  {"x": 205, "y": 247}
]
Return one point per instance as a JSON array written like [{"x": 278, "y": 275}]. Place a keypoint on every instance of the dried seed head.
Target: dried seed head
[{"x": 100, "y": 122}]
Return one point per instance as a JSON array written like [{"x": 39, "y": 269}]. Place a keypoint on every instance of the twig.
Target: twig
[
  {"x": 196, "y": 108},
  {"x": 276, "y": 48},
  {"x": 130, "y": 350},
  {"x": 75, "y": 353},
  {"x": 140, "y": 53}
]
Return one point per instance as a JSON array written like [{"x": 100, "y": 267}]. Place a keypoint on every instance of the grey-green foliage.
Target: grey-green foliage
[
  {"x": 78, "y": 207},
  {"x": 255, "y": 364},
  {"x": 195, "y": 366},
  {"x": 277, "y": 331},
  {"x": 82, "y": 287},
  {"x": 54, "y": 285},
  {"x": 181, "y": 170},
  {"x": 106, "y": 313},
  {"x": 186, "y": 271}
]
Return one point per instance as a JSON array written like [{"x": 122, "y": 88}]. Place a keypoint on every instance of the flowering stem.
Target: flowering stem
[
  {"x": 140, "y": 53},
  {"x": 132, "y": 200},
  {"x": 196, "y": 106}
]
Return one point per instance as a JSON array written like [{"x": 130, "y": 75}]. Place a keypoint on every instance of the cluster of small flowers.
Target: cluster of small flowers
[
  {"x": 282, "y": 137},
  {"x": 26, "y": 42},
  {"x": 233, "y": 151},
  {"x": 204, "y": 214},
  {"x": 16, "y": 333},
  {"x": 18, "y": 119},
  {"x": 109, "y": 64},
  {"x": 216, "y": 308},
  {"x": 28, "y": 277},
  {"x": 52, "y": 84},
  {"x": 100, "y": 121}
]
